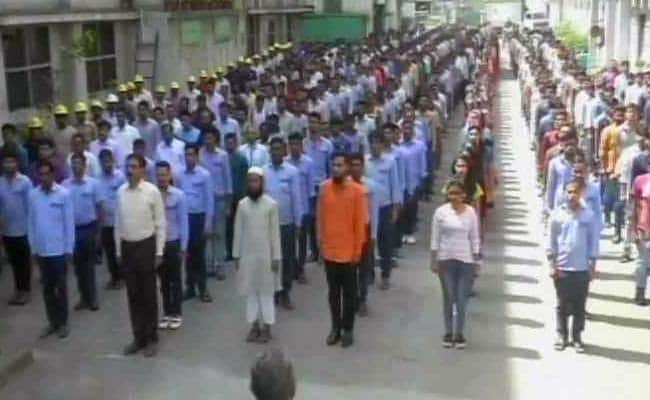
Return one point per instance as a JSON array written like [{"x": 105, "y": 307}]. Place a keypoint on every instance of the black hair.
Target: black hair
[
  {"x": 139, "y": 142},
  {"x": 140, "y": 159},
  {"x": 356, "y": 156},
  {"x": 105, "y": 153}
]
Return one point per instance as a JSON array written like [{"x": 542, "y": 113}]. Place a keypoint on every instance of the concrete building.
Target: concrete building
[
  {"x": 67, "y": 50},
  {"x": 274, "y": 21},
  {"x": 626, "y": 32},
  {"x": 380, "y": 15}
]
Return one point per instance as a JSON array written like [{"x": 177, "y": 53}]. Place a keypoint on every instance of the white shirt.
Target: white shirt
[
  {"x": 455, "y": 236},
  {"x": 633, "y": 94},
  {"x": 174, "y": 154},
  {"x": 581, "y": 108},
  {"x": 140, "y": 214},
  {"x": 625, "y": 163},
  {"x": 125, "y": 136}
]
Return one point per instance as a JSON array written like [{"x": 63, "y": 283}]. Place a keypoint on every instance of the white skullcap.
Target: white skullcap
[{"x": 256, "y": 171}]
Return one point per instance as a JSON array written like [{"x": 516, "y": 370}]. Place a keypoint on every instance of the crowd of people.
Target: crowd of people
[
  {"x": 589, "y": 130},
  {"x": 302, "y": 154}
]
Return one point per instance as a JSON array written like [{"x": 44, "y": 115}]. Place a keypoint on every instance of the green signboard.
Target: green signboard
[
  {"x": 223, "y": 29},
  {"x": 191, "y": 32}
]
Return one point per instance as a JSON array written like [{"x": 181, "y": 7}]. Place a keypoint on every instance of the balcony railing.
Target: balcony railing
[
  {"x": 190, "y": 5},
  {"x": 279, "y": 6}
]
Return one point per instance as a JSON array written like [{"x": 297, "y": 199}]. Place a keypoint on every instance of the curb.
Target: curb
[{"x": 14, "y": 364}]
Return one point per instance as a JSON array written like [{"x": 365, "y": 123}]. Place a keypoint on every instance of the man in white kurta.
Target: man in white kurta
[{"x": 257, "y": 253}]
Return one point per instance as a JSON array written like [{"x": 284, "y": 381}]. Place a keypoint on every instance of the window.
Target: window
[
  {"x": 98, "y": 41},
  {"x": 27, "y": 66},
  {"x": 271, "y": 33}
]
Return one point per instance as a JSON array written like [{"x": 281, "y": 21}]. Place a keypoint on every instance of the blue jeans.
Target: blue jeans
[
  {"x": 385, "y": 239},
  {"x": 55, "y": 289},
  {"x": 610, "y": 196},
  {"x": 456, "y": 282}
]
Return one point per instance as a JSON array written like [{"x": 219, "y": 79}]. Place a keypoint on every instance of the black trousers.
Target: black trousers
[
  {"x": 409, "y": 214},
  {"x": 366, "y": 270},
  {"x": 307, "y": 223},
  {"x": 571, "y": 289},
  {"x": 18, "y": 251},
  {"x": 288, "y": 244},
  {"x": 171, "y": 285},
  {"x": 195, "y": 272},
  {"x": 342, "y": 294},
  {"x": 85, "y": 247},
  {"x": 139, "y": 260},
  {"x": 230, "y": 227},
  {"x": 108, "y": 244},
  {"x": 385, "y": 239},
  {"x": 55, "y": 289}
]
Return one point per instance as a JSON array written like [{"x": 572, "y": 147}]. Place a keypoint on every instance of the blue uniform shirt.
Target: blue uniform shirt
[
  {"x": 256, "y": 154},
  {"x": 415, "y": 164},
  {"x": 190, "y": 136},
  {"x": 177, "y": 227},
  {"x": 320, "y": 153},
  {"x": 305, "y": 167},
  {"x": 108, "y": 185},
  {"x": 85, "y": 199},
  {"x": 398, "y": 154},
  {"x": 14, "y": 200},
  {"x": 383, "y": 172},
  {"x": 217, "y": 163},
  {"x": 573, "y": 238},
  {"x": 559, "y": 173},
  {"x": 50, "y": 227},
  {"x": 199, "y": 191},
  {"x": 282, "y": 183}
]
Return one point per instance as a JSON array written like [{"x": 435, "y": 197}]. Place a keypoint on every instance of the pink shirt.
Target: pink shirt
[{"x": 642, "y": 202}]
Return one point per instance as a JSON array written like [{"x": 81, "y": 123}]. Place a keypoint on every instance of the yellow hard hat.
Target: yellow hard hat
[
  {"x": 265, "y": 53},
  {"x": 231, "y": 65},
  {"x": 191, "y": 79},
  {"x": 130, "y": 86},
  {"x": 174, "y": 85},
  {"x": 60, "y": 110},
  {"x": 160, "y": 89},
  {"x": 111, "y": 98},
  {"x": 256, "y": 57},
  {"x": 96, "y": 104},
  {"x": 249, "y": 61},
  {"x": 80, "y": 106},
  {"x": 122, "y": 88},
  {"x": 35, "y": 123},
  {"x": 214, "y": 77},
  {"x": 241, "y": 60},
  {"x": 219, "y": 71},
  {"x": 138, "y": 78},
  {"x": 203, "y": 74}
]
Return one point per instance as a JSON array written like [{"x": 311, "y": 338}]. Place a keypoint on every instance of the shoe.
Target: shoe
[
  {"x": 285, "y": 302},
  {"x": 363, "y": 309},
  {"x": 254, "y": 333},
  {"x": 49, "y": 330},
  {"x": 347, "y": 339},
  {"x": 189, "y": 294},
  {"x": 459, "y": 342},
  {"x": 578, "y": 346},
  {"x": 150, "y": 350},
  {"x": 385, "y": 284},
  {"x": 410, "y": 240},
  {"x": 302, "y": 279},
  {"x": 94, "y": 306},
  {"x": 163, "y": 323},
  {"x": 560, "y": 342},
  {"x": 131, "y": 349},
  {"x": 80, "y": 305},
  {"x": 333, "y": 338},
  {"x": 639, "y": 297},
  {"x": 63, "y": 332},
  {"x": 220, "y": 275},
  {"x": 175, "y": 323},
  {"x": 265, "y": 334},
  {"x": 447, "y": 341},
  {"x": 205, "y": 297}
]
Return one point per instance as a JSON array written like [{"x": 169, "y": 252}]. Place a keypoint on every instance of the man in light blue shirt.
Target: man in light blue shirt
[
  {"x": 393, "y": 149},
  {"x": 110, "y": 179},
  {"x": 196, "y": 182},
  {"x": 86, "y": 202},
  {"x": 177, "y": 234},
  {"x": 572, "y": 251},
  {"x": 189, "y": 133},
  {"x": 225, "y": 123},
  {"x": 282, "y": 183},
  {"x": 319, "y": 149},
  {"x": 217, "y": 162},
  {"x": 415, "y": 161},
  {"x": 50, "y": 229},
  {"x": 148, "y": 128},
  {"x": 305, "y": 167},
  {"x": 560, "y": 172},
  {"x": 170, "y": 150},
  {"x": 255, "y": 153},
  {"x": 381, "y": 168},
  {"x": 14, "y": 203}
]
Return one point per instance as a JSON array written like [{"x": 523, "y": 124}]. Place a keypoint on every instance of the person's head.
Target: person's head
[
  {"x": 45, "y": 148},
  {"x": 163, "y": 174},
  {"x": 278, "y": 150},
  {"x": 255, "y": 183},
  {"x": 45, "y": 171},
  {"x": 135, "y": 167},
  {"x": 295, "y": 144},
  {"x": 355, "y": 165},
  {"x": 314, "y": 126},
  {"x": 158, "y": 114},
  {"x": 224, "y": 110},
  {"x": 191, "y": 155},
  {"x": 9, "y": 161},
  {"x": 211, "y": 137},
  {"x": 186, "y": 120},
  {"x": 106, "y": 160},
  {"x": 170, "y": 111},
  {"x": 339, "y": 167},
  {"x": 559, "y": 120},
  {"x": 103, "y": 129},
  {"x": 377, "y": 143},
  {"x": 390, "y": 133},
  {"x": 455, "y": 192},
  {"x": 619, "y": 115},
  {"x": 631, "y": 114},
  {"x": 143, "y": 109},
  {"x": 167, "y": 132},
  {"x": 231, "y": 142},
  {"x": 272, "y": 375},
  {"x": 460, "y": 166},
  {"x": 61, "y": 120},
  {"x": 251, "y": 134},
  {"x": 78, "y": 164},
  {"x": 9, "y": 133},
  {"x": 139, "y": 147},
  {"x": 572, "y": 191},
  {"x": 78, "y": 143},
  {"x": 580, "y": 171},
  {"x": 407, "y": 130},
  {"x": 120, "y": 116}
]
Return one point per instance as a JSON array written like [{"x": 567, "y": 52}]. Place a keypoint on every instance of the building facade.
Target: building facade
[
  {"x": 381, "y": 15},
  {"x": 274, "y": 21}
]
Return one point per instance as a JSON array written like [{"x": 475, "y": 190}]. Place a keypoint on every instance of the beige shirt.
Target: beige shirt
[{"x": 140, "y": 214}]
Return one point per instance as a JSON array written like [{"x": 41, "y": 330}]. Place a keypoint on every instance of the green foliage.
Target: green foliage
[{"x": 572, "y": 36}]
